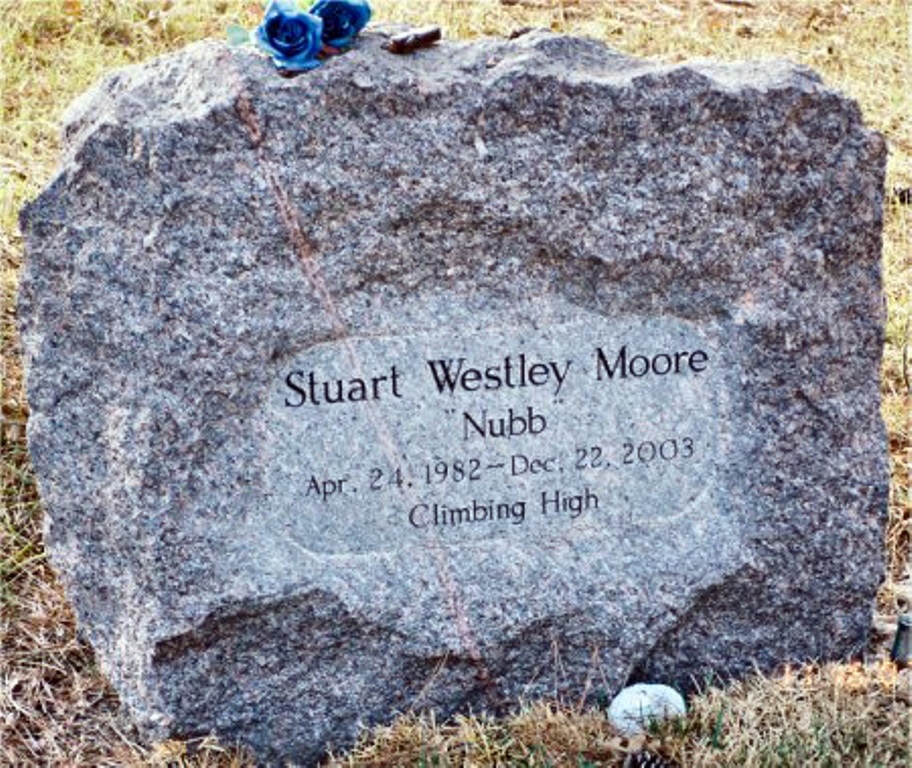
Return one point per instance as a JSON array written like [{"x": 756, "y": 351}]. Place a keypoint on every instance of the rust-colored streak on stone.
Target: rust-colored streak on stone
[{"x": 309, "y": 261}]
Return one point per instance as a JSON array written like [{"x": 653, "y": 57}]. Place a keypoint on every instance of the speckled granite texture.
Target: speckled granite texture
[{"x": 507, "y": 369}]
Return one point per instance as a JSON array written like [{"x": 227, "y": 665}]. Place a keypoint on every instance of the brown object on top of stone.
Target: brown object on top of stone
[{"x": 413, "y": 40}]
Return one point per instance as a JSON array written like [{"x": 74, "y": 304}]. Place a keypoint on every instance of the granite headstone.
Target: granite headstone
[{"x": 503, "y": 370}]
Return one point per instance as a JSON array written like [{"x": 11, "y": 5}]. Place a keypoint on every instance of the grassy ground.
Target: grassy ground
[{"x": 56, "y": 708}]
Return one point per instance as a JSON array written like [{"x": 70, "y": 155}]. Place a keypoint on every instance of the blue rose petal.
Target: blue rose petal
[
  {"x": 342, "y": 20},
  {"x": 292, "y": 37}
]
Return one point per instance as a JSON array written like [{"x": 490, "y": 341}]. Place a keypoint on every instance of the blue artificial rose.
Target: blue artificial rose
[
  {"x": 293, "y": 38},
  {"x": 342, "y": 20}
]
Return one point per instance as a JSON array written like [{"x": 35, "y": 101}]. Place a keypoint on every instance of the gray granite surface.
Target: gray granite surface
[{"x": 503, "y": 370}]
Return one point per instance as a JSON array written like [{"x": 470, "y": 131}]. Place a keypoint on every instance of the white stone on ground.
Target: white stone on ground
[{"x": 636, "y": 706}]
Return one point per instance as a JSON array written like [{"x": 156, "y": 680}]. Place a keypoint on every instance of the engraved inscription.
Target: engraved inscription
[{"x": 576, "y": 429}]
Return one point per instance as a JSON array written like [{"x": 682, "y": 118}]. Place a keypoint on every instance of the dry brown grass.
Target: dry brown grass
[
  {"x": 55, "y": 706},
  {"x": 836, "y": 715},
  {"x": 542, "y": 734}
]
